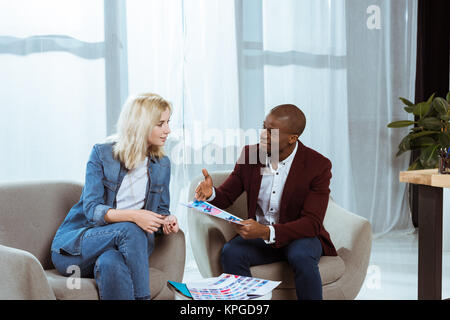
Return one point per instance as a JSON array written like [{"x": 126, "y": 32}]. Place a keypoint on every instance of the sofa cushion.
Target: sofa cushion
[
  {"x": 88, "y": 287},
  {"x": 87, "y": 291},
  {"x": 330, "y": 268}
]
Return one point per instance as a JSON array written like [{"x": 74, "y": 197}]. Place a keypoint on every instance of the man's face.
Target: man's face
[{"x": 275, "y": 135}]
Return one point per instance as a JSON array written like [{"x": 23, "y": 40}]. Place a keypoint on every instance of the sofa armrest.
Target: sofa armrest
[
  {"x": 22, "y": 276},
  {"x": 208, "y": 235}
]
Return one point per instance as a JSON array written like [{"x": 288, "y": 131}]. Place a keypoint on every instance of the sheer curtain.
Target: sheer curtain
[
  {"x": 52, "y": 93},
  {"x": 325, "y": 57},
  {"x": 186, "y": 52},
  {"x": 66, "y": 68}
]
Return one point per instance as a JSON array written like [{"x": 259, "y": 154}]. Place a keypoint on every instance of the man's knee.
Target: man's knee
[
  {"x": 226, "y": 253},
  {"x": 231, "y": 253},
  {"x": 304, "y": 254}
]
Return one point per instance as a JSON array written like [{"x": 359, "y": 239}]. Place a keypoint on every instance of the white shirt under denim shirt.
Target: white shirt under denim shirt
[
  {"x": 104, "y": 176},
  {"x": 131, "y": 194},
  {"x": 270, "y": 192}
]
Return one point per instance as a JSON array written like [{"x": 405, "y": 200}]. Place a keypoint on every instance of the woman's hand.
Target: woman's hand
[
  {"x": 148, "y": 220},
  {"x": 170, "y": 224}
]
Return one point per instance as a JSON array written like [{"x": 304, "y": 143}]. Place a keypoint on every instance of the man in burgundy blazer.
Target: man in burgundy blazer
[{"x": 286, "y": 200}]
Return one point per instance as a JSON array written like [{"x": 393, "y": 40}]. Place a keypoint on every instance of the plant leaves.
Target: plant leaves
[
  {"x": 406, "y": 102},
  {"x": 416, "y": 129},
  {"x": 421, "y": 109},
  {"x": 415, "y": 165},
  {"x": 430, "y": 99},
  {"x": 422, "y": 142},
  {"x": 409, "y": 109},
  {"x": 448, "y": 97},
  {"x": 400, "y": 124},
  {"x": 444, "y": 140},
  {"x": 421, "y": 134},
  {"x": 405, "y": 145},
  {"x": 440, "y": 105},
  {"x": 429, "y": 157},
  {"x": 430, "y": 123}
]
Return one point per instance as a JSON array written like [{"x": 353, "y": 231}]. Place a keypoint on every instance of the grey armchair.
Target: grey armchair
[
  {"x": 30, "y": 214},
  {"x": 342, "y": 276}
]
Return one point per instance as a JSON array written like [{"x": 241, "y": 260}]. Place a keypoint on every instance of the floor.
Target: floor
[{"x": 392, "y": 272}]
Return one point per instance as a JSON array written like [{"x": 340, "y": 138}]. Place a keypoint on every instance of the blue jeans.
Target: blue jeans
[
  {"x": 303, "y": 255},
  {"x": 116, "y": 255}
]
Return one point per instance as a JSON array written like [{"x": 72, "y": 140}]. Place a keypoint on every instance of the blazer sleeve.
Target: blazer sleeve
[
  {"x": 310, "y": 222},
  {"x": 232, "y": 187},
  {"x": 94, "y": 190}
]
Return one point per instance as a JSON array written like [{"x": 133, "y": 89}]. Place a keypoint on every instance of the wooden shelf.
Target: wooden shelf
[{"x": 428, "y": 177}]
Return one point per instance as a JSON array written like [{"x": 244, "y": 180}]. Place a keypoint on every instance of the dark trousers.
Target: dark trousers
[{"x": 303, "y": 255}]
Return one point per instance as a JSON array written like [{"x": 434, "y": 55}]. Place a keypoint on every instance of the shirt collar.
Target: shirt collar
[
  {"x": 290, "y": 158},
  {"x": 286, "y": 161}
]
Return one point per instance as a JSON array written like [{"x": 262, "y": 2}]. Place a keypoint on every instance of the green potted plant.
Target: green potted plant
[{"x": 430, "y": 132}]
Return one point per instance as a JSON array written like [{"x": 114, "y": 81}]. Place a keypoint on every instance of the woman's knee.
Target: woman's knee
[
  {"x": 60, "y": 263},
  {"x": 132, "y": 231},
  {"x": 111, "y": 261}
]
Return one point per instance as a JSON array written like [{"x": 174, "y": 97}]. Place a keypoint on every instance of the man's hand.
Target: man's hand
[
  {"x": 252, "y": 230},
  {"x": 204, "y": 189}
]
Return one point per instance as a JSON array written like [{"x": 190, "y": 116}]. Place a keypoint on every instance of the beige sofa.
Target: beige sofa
[
  {"x": 30, "y": 214},
  {"x": 342, "y": 276}
]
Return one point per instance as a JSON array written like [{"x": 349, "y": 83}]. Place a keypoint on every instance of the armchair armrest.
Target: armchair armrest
[
  {"x": 208, "y": 235},
  {"x": 170, "y": 255},
  {"x": 22, "y": 276}
]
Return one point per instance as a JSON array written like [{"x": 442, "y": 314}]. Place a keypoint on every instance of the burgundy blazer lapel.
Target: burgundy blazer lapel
[
  {"x": 295, "y": 175},
  {"x": 255, "y": 185}
]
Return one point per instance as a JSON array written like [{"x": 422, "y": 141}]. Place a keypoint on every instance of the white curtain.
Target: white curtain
[
  {"x": 186, "y": 52},
  {"x": 305, "y": 64},
  {"x": 52, "y": 101},
  {"x": 345, "y": 70},
  {"x": 223, "y": 64}
]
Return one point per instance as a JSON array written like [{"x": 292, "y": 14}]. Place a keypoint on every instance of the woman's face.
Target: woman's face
[{"x": 158, "y": 135}]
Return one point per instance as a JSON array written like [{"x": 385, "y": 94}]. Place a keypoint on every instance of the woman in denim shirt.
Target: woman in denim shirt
[{"x": 109, "y": 234}]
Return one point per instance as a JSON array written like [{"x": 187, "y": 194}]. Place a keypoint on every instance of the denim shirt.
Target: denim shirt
[{"x": 104, "y": 176}]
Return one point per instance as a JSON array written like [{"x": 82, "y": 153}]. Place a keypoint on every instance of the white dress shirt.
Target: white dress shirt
[
  {"x": 269, "y": 197},
  {"x": 131, "y": 194}
]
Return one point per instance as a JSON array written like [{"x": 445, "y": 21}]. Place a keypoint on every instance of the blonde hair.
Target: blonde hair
[{"x": 137, "y": 119}]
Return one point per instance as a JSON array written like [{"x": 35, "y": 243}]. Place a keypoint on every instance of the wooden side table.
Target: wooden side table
[{"x": 430, "y": 184}]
